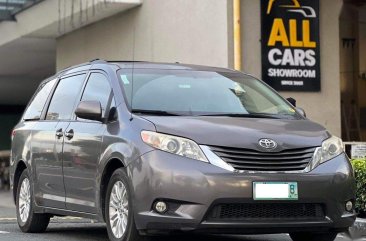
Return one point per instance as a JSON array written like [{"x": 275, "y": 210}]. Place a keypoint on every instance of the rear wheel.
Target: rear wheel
[
  {"x": 28, "y": 221},
  {"x": 330, "y": 236},
  {"x": 119, "y": 211}
]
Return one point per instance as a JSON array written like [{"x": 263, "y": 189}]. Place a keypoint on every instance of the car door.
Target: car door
[
  {"x": 82, "y": 148},
  {"x": 47, "y": 143}
]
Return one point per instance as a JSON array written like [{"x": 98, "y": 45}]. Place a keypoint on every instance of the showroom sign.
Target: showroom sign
[{"x": 290, "y": 44}]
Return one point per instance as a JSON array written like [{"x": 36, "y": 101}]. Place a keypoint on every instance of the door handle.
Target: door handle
[
  {"x": 59, "y": 133},
  {"x": 69, "y": 134}
]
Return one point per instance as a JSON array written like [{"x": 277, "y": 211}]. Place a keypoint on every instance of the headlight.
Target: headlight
[
  {"x": 173, "y": 144},
  {"x": 330, "y": 148}
]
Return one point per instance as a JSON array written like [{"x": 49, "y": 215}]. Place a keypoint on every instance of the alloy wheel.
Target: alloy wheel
[
  {"x": 118, "y": 209},
  {"x": 24, "y": 200}
]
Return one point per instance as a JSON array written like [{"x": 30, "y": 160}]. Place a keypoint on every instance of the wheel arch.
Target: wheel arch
[
  {"x": 20, "y": 167},
  {"x": 112, "y": 165}
]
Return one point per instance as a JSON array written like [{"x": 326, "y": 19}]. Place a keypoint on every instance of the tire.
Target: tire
[
  {"x": 130, "y": 233},
  {"x": 28, "y": 221},
  {"x": 330, "y": 236}
]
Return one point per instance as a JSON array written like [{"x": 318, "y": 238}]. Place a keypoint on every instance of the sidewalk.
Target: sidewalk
[{"x": 358, "y": 230}]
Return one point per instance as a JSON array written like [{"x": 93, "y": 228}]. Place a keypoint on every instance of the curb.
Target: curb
[{"x": 360, "y": 220}]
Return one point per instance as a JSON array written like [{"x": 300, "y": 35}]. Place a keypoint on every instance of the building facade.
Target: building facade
[{"x": 50, "y": 35}]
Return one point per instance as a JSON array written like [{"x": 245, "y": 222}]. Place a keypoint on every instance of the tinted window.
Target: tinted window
[
  {"x": 98, "y": 89},
  {"x": 36, "y": 106},
  {"x": 201, "y": 93},
  {"x": 64, "y": 98}
]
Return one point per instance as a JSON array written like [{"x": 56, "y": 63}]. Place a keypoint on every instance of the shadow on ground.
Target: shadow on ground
[{"x": 75, "y": 232}]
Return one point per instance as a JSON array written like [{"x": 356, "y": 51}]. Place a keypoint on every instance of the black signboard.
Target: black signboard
[{"x": 290, "y": 44}]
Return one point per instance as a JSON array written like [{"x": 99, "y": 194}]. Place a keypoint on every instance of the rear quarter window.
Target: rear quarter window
[{"x": 36, "y": 105}]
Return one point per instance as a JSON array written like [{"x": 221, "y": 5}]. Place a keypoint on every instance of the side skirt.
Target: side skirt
[{"x": 64, "y": 212}]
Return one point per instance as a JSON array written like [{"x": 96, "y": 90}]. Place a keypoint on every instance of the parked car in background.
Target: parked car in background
[{"x": 154, "y": 148}]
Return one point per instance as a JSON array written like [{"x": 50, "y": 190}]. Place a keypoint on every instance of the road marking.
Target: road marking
[
  {"x": 62, "y": 218},
  {"x": 3, "y": 232},
  {"x": 7, "y": 219},
  {"x": 68, "y": 218},
  {"x": 71, "y": 218}
]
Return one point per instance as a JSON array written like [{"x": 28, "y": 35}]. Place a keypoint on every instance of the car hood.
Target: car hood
[{"x": 242, "y": 132}]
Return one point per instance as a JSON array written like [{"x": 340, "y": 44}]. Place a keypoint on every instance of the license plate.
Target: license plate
[{"x": 275, "y": 191}]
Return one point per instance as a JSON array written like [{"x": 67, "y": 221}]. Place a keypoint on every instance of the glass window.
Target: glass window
[
  {"x": 98, "y": 89},
  {"x": 64, "y": 98},
  {"x": 188, "y": 92},
  {"x": 36, "y": 105}
]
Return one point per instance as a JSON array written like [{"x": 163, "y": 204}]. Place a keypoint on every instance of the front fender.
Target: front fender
[{"x": 122, "y": 151}]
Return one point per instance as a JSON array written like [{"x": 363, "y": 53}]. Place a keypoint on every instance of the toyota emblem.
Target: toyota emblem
[{"x": 267, "y": 143}]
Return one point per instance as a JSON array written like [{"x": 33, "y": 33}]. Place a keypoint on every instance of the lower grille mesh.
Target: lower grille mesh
[{"x": 270, "y": 211}]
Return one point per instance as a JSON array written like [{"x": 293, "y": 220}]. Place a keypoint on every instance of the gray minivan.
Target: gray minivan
[{"x": 152, "y": 148}]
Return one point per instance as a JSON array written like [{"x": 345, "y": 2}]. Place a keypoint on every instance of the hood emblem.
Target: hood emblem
[{"x": 267, "y": 143}]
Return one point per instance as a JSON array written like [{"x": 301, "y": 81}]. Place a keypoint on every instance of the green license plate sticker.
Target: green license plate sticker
[{"x": 275, "y": 191}]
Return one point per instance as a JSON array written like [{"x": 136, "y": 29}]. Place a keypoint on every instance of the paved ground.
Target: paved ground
[{"x": 83, "y": 229}]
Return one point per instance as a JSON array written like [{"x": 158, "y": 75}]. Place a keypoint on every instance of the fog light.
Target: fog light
[
  {"x": 160, "y": 207},
  {"x": 349, "y": 206}
]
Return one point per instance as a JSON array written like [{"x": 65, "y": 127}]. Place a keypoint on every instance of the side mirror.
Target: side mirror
[
  {"x": 89, "y": 110},
  {"x": 301, "y": 111},
  {"x": 292, "y": 101}
]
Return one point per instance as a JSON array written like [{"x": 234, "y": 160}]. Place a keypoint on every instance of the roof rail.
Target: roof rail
[
  {"x": 126, "y": 61},
  {"x": 97, "y": 61}
]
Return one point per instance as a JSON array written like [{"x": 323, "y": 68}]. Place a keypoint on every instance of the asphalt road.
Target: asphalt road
[{"x": 71, "y": 229}]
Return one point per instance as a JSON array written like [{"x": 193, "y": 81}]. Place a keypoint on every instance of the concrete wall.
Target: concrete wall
[
  {"x": 187, "y": 31},
  {"x": 322, "y": 107}
]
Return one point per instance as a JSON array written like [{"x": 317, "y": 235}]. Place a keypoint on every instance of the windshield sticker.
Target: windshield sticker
[
  {"x": 125, "y": 80},
  {"x": 184, "y": 86}
]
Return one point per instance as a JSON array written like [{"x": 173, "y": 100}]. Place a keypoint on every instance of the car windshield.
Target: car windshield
[{"x": 201, "y": 93}]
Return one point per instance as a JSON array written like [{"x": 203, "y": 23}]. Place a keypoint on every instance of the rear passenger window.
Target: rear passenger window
[
  {"x": 64, "y": 98},
  {"x": 36, "y": 105},
  {"x": 98, "y": 89}
]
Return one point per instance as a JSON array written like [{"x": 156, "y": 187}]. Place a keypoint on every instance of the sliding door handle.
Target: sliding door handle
[
  {"x": 59, "y": 133},
  {"x": 69, "y": 134}
]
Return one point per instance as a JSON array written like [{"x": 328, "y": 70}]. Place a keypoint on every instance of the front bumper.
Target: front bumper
[{"x": 191, "y": 188}]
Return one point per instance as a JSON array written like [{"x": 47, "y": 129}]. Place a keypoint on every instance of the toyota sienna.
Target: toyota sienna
[{"x": 151, "y": 148}]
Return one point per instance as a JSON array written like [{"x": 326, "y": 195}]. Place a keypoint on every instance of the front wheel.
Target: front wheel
[
  {"x": 28, "y": 221},
  {"x": 330, "y": 236},
  {"x": 119, "y": 209}
]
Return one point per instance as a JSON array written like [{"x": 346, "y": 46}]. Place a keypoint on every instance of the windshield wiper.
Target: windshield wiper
[
  {"x": 245, "y": 115},
  {"x": 155, "y": 112}
]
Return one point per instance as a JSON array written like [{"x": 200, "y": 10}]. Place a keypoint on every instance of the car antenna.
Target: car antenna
[{"x": 133, "y": 69}]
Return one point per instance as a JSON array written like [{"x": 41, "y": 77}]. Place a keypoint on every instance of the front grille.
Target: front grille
[
  {"x": 266, "y": 211},
  {"x": 252, "y": 160}
]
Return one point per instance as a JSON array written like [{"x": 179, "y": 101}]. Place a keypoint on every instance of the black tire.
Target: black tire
[
  {"x": 131, "y": 233},
  {"x": 36, "y": 222},
  {"x": 330, "y": 236}
]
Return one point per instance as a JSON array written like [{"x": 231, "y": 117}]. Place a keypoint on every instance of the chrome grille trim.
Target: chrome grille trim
[{"x": 248, "y": 160}]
